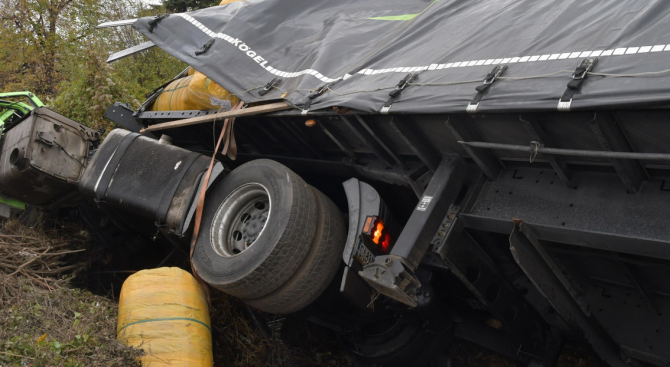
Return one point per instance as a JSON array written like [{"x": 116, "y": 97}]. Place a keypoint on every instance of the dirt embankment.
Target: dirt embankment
[{"x": 58, "y": 292}]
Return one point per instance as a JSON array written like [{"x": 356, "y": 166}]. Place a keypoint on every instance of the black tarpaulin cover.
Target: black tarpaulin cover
[{"x": 367, "y": 47}]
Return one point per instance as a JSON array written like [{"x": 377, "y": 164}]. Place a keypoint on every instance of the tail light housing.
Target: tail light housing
[{"x": 377, "y": 233}]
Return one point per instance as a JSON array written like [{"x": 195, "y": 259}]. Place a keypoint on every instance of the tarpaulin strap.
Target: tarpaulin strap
[
  {"x": 153, "y": 95},
  {"x": 108, "y": 172},
  {"x": 156, "y": 90},
  {"x": 154, "y": 22},
  {"x": 201, "y": 201},
  {"x": 397, "y": 91},
  {"x": 482, "y": 89},
  {"x": 268, "y": 87},
  {"x": 578, "y": 79},
  {"x": 172, "y": 185},
  {"x": 315, "y": 93},
  {"x": 205, "y": 47},
  {"x": 230, "y": 144},
  {"x": 166, "y": 319}
]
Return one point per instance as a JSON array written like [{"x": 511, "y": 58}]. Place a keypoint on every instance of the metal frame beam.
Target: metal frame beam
[
  {"x": 382, "y": 143},
  {"x": 251, "y": 139},
  {"x": 368, "y": 140},
  {"x": 479, "y": 274},
  {"x": 595, "y": 240},
  {"x": 393, "y": 274},
  {"x": 301, "y": 137},
  {"x": 612, "y": 138},
  {"x": 548, "y": 278},
  {"x": 340, "y": 144},
  {"x": 641, "y": 288},
  {"x": 484, "y": 158},
  {"x": 557, "y": 162},
  {"x": 408, "y": 130}
]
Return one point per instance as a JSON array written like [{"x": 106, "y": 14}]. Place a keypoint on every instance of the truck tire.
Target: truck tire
[
  {"x": 317, "y": 269},
  {"x": 256, "y": 229},
  {"x": 406, "y": 343}
]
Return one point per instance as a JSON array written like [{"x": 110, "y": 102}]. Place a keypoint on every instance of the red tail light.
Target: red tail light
[
  {"x": 386, "y": 243},
  {"x": 375, "y": 230}
]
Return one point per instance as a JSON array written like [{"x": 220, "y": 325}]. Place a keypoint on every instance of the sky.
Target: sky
[{"x": 152, "y": 2}]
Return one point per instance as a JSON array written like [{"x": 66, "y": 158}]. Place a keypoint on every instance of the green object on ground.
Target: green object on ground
[
  {"x": 14, "y": 203},
  {"x": 10, "y": 107}
]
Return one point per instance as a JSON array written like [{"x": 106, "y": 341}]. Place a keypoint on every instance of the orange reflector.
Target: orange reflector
[
  {"x": 378, "y": 232},
  {"x": 368, "y": 222}
]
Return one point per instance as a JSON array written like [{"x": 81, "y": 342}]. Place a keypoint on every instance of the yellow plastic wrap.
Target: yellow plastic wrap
[
  {"x": 164, "y": 311},
  {"x": 224, "y": 2},
  {"x": 194, "y": 92}
]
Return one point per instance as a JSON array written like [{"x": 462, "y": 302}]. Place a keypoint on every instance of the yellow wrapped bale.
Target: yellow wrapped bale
[
  {"x": 194, "y": 92},
  {"x": 164, "y": 311}
]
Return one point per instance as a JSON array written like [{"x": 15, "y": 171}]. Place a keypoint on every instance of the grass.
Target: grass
[
  {"x": 44, "y": 322},
  {"x": 61, "y": 327}
]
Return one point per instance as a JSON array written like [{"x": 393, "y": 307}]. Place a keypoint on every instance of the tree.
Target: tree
[
  {"x": 180, "y": 6},
  {"x": 51, "y": 47},
  {"x": 92, "y": 84},
  {"x": 32, "y": 34}
]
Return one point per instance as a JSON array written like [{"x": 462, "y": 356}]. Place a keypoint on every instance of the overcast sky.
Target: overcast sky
[{"x": 152, "y": 2}]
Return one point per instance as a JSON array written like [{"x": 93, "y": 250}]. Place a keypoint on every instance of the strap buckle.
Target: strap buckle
[
  {"x": 472, "y": 107},
  {"x": 205, "y": 47},
  {"x": 578, "y": 78},
  {"x": 584, "y": 68},
  {"x": 154, "y": 22},
  {"x": 564, "y": 106},
  {"x": 315, "y": 93},
  {"x": 404, "y": 82},
  {"x": 319, "y": 91},
  {"x": 397, "y": 91},
  {"x": 495, "y": 73},
  {"x": 268, "y": 87},
  {"x": 482, "y": 89}
]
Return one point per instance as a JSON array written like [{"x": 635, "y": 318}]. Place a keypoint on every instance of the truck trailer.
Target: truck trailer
[{"x": 404, "y": 173}]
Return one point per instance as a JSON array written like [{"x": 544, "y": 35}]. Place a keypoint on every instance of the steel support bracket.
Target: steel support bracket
[
  {"x": 122, "y": 115},
  {"x": 393, "y": 274},
  {"x": 538, "y": 265}
]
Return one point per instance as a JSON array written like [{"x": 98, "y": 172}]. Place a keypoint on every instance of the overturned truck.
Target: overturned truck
[{"x": 406, "y": 173}]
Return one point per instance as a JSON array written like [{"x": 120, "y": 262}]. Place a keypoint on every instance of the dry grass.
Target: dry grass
[
  {"x": 239, "y": 343},
  {"x": 43, "y": 322},
  {"x": 43, "y": 259},
  {"x": 37, "y": 298}
]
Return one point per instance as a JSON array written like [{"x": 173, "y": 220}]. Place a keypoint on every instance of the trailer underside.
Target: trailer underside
[{"x": 602, "y": 222}]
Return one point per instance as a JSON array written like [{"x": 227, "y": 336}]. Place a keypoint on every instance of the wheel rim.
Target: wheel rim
[{"x": 240, "y": 219}]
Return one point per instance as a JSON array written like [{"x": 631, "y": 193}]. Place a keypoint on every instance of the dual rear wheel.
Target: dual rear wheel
[
  {"x": 269, "y": 238},
  {"x": 272, "y": 240}
]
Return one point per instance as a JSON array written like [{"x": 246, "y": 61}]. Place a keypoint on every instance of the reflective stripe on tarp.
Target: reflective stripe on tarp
[{"x": 450, "y": 43}]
